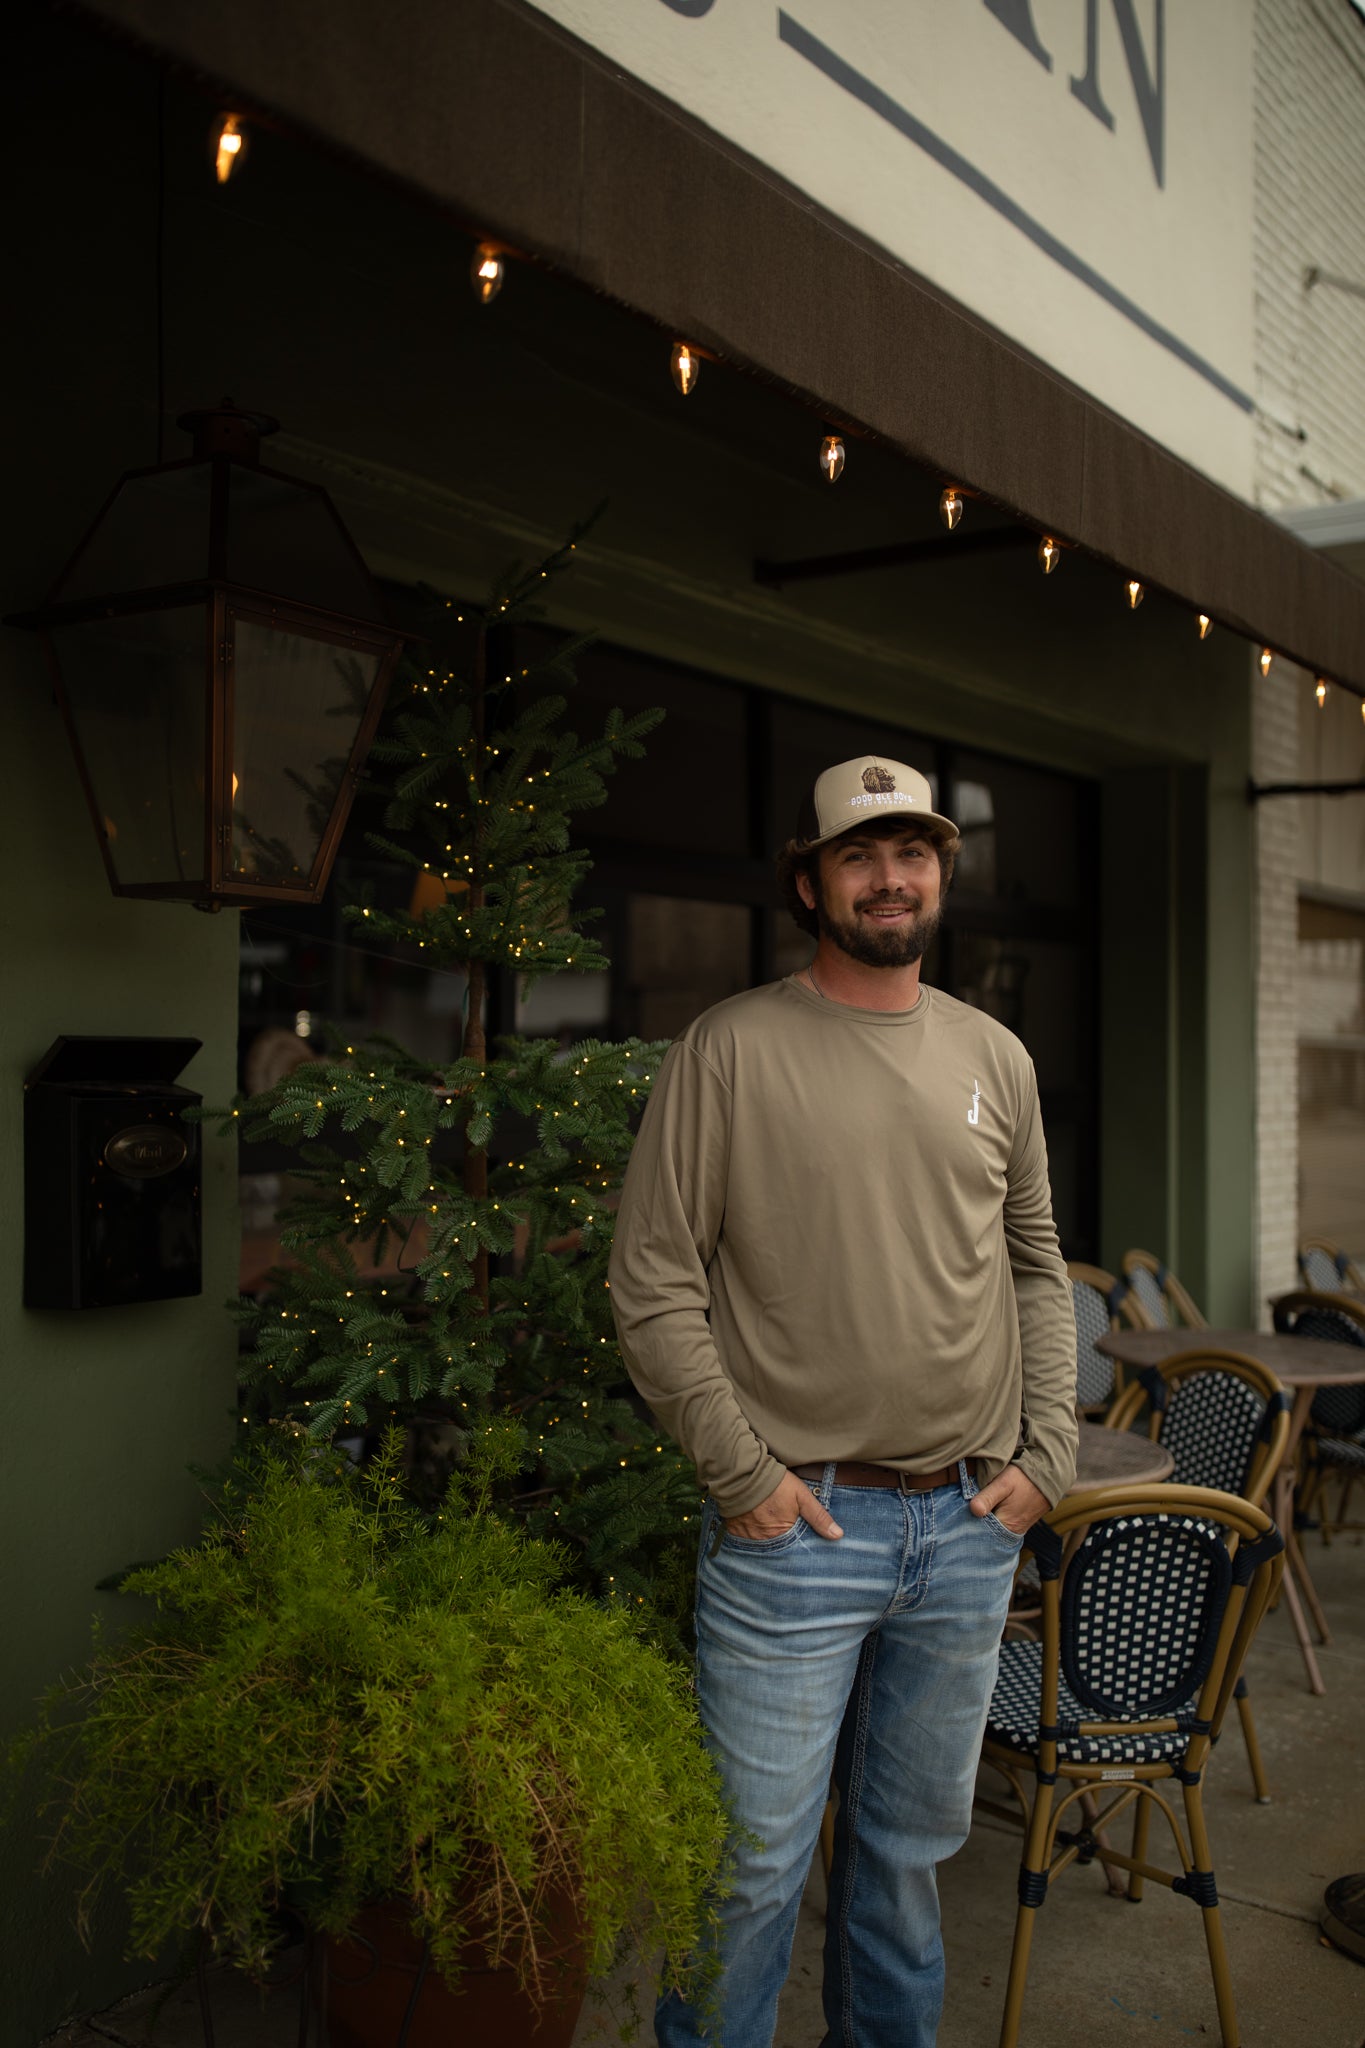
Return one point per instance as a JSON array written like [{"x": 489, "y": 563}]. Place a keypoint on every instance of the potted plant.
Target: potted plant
[{"x": 398, "y": 1725}]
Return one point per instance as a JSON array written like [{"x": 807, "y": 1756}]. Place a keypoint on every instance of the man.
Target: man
[{"x": 836, "y": 1280}]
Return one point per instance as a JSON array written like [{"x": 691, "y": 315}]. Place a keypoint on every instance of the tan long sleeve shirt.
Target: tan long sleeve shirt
[{"x": 836, "y": 1241}]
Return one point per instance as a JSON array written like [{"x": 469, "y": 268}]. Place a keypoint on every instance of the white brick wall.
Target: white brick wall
[{"x": 1310, "y": 448}]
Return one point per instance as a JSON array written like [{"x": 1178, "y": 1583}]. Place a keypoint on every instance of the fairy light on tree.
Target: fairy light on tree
[{"x": 451, "y": 1248}]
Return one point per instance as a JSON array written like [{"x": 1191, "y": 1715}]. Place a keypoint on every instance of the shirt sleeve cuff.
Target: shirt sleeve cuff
[{"x": 750, "y": 1492}]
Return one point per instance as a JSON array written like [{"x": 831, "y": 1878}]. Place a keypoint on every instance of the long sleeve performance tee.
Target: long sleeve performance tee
[{"x": 835, "y": 1240}]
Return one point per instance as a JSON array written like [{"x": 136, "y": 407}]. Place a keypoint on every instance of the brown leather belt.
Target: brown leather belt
[{"x": 850, "y": 1472}]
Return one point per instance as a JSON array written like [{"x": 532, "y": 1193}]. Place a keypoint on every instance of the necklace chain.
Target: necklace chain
[{"x": 810, "y": 976}]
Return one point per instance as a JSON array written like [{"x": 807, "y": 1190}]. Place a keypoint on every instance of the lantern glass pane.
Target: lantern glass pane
[
  {"x": 284, "y": 536},
  {"x": 297, "y": 706},
  {"x": 134, "y": 687},
  {"x": 155, "y": 532}
]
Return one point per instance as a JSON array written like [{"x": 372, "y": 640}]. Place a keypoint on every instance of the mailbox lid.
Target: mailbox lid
[{"x": 101, "y": 1063}]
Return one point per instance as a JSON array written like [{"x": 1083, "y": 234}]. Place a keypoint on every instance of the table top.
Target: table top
[
  {"x": 1116, "y": 1457},
  {"x": 1296, "y": 1361}
]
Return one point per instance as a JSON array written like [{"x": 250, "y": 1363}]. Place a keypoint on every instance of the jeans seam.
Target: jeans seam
[{"x": 854, "y": 1796}]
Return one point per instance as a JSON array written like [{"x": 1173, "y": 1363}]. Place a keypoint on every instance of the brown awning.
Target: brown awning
[{"x": 533, "y": 139}]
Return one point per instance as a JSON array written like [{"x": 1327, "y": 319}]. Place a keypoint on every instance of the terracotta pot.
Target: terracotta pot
[{"x": 370, "y": 1977}]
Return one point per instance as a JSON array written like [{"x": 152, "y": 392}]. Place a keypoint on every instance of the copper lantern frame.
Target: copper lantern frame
[{"x": 226, "y": 437}]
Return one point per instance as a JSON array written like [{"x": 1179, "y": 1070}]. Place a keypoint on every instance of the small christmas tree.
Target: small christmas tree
[{"x": 497, "y": 1173}]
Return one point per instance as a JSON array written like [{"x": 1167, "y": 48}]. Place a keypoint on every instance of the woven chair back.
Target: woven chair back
[
  {"x": 1144, "y": 1286},
  {"x": 1150, "y": 1596},
  {"x": 1164, "y": 1302},
  {"x": 1213, "y": 1427},
  {"x": 1094, "y": 1372},
  {"x": 1142, "y": 1603},
  {"x": 1095, "y": 1301},
  {"x": 1338, "y": 1411},
  {"x": 1224, "y": 1418},
  {"x": 1319, "y": 1271},
  {"x": 1326, "y": 1268}
]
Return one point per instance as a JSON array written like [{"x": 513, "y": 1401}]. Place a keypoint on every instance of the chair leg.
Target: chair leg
[
  {"x": 1141, "y": 1820},
  {"x": 1202, "y": 1865},
  {"x": 1260, "y": 1783},
  {"x": 1348, "y": 1480},
  {"x": 1296, "y": 1562},
  {"x": 1114, "y": 1877},
  {"x": 1018, "y": 1977},
  {"x": 1032, "y": 1866}
]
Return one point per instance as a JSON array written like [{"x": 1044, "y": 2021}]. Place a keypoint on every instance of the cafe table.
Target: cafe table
[
  {"x": 1302, "y": 1365},
  {"x": 1117, "y": 1457}
]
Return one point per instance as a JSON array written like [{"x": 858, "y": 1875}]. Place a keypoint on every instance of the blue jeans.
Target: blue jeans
[{"x": 868, "y": 1661}]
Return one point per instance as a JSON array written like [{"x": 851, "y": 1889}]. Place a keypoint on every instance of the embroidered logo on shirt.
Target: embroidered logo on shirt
[{"x": 974, "y": 1113}]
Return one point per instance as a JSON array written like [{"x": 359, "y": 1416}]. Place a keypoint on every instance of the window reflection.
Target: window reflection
[{"x": 1331, "y": 1003}]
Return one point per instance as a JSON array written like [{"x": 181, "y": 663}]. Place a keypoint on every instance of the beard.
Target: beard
[{"x": 870, "y": 944}]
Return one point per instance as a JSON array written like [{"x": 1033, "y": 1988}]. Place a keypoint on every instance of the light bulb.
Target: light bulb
[
  {"x": 832, "y": 457},
  {"x": 1135, "y": 593},
  {"x": 486, "y": 273},
  {"x": 229, "y": 149},
  {"x": 1049, "y": 554},
  {"x": 686, "y": 367},
  {"x": 950, "y": 507},
  {"x": 1321, "y": 693},
  {"x": 1205, "y": 625},
  {"x": 1266, "y": 658}
]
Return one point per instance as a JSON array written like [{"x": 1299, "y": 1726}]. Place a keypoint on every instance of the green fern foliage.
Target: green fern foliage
[{"x": 342, "y": 1700}]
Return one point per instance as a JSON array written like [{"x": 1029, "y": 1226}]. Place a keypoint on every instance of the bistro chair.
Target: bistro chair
[
  {"x": 1151, "y": 1598},
  {"x": 1096, "y": 1301},
  {"x": 1224, "y": 1418},
  {"x": 1325, "y": 1268},
  {"x": 1334, "y": 1440},
  {"x": 1166, "y": 1304}
]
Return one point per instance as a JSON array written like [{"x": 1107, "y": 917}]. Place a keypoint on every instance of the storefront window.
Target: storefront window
[
  {"x": 1020, "y": 829},
  {"x": 683, "y": 879},
  {"x": 1331, "y": 999}
]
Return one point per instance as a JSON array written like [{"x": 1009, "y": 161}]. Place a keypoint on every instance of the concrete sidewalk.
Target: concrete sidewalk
[{"x": 1103, "y": 1970}]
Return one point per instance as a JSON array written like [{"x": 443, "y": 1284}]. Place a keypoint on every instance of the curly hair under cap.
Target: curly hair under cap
[{"x": 795, "y": 859}]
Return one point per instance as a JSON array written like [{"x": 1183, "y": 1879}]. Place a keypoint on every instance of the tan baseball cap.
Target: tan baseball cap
[{"x": 858, "y": 792}]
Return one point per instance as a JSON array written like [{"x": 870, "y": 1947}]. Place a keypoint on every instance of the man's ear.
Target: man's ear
[{"x": 805, "y": 888}]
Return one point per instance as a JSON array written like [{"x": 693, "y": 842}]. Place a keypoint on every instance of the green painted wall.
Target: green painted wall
[
  {"x": 1177, "y": 1032},
  {"x": 104, "y": 1411}
]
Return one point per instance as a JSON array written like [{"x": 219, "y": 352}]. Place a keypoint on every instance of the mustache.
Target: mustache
[{"x": 889, "y": 903}]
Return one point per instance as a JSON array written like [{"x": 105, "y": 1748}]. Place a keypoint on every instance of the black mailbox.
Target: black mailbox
[{"x": 111, "y": 1174}]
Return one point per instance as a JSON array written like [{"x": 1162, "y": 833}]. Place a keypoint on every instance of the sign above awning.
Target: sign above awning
[
  {"x": 1079, "y": 177},
  {"x": 530, "y": 137}
]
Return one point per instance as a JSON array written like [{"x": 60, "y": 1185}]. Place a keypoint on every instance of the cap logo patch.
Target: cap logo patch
[{"x": 877, "y": 779}]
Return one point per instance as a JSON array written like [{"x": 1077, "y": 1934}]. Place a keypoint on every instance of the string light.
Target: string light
[
  {"x": 686, "y": 367},
  {"x": 832, "y": 458},
  {"x": 1205, "y": 625},
  {"x": 950, "y": 506},
  {"x": 1266, "y": 658},
  {"x": 229, "y": 148},
  {"x": 1135, "y": 593},
  {"x": 1049, "y": 554},
  {"x": 1321, "y": 693},
  {"x": 486, "y": 274}
]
